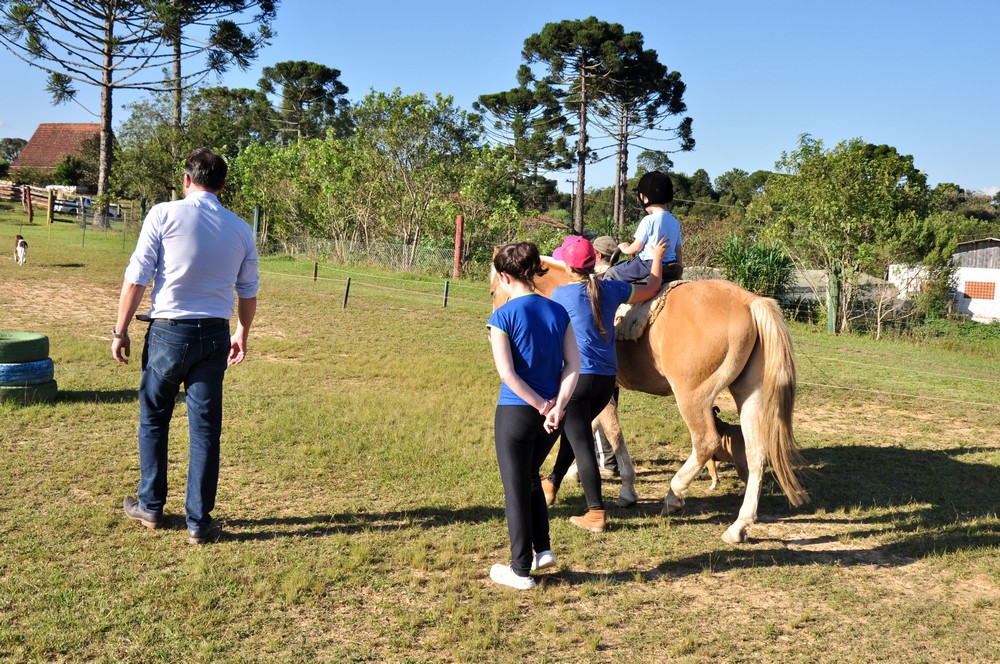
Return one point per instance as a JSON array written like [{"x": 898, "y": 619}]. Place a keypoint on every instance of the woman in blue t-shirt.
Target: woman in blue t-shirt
[
  {"x": 537, "y": 358},
  {"x": 591, "y": 303}
]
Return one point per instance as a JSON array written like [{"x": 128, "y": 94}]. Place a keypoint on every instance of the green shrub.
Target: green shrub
[
  {"x": 764, "y": 269},
  {"x": 69, "y": 171}
]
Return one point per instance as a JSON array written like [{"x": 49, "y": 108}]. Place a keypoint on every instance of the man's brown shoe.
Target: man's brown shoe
[
  {"x": 594, "y": 520},
  {"x": 549, "y": 489},
  {"x": 135, "y": 512},
  {"x": 205, "y": 534}
]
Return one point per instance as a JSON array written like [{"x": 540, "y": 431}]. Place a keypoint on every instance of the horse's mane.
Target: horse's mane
[{"x": 558, "y": 275}]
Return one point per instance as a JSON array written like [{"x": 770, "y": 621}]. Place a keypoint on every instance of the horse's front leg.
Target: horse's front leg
[
  {"x": 611, "y": 426},
  {"x": 680, "y": 483},
  {"x": 697, "y": 413}
]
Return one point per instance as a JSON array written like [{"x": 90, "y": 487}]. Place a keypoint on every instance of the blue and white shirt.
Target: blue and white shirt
[{"x": 199, "y": 256}]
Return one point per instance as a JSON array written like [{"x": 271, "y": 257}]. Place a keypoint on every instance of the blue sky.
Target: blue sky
[{"x": 917, "y": 75}]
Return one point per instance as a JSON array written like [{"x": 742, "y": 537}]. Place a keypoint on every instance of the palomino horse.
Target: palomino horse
[{"x": 709, "y": 336}]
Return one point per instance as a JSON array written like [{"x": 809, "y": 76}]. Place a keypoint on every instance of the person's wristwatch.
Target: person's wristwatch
[{"x": 115, "y": 334}]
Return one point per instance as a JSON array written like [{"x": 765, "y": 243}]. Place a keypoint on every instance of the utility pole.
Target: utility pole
[{"x": 572, "y": 204}]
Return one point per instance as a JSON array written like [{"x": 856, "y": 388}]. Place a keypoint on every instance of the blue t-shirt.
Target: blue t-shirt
[
  {"x": 536, "y": 328},
  {"x": 597, "y": 353},
  {"x": 657, "y": 224}
]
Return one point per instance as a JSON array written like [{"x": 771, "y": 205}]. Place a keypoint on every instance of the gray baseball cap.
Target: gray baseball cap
[{"x": 605, "y": 245}]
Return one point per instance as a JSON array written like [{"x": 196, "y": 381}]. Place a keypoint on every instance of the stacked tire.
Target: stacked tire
[{"x": 26, "y": 370}]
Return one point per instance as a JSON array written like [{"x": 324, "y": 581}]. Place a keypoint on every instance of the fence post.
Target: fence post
[
  {"x": 459, "y": 224},
  {"x": 256, "y": 221},
  {"x": 445, "y": 293},
  {"x": 315, "y": 270},
  {"x": 347, "y": 291},
  {"x": 833, "y": 300},
  {"x": 50, "y": 215}
]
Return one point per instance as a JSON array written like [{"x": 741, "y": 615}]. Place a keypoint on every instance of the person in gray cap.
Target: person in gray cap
[{"x": 607, "y": 253}]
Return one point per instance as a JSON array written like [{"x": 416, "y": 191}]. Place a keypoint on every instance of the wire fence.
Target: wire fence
[
  {"x": 389, "y": 255},
  {"x": 443, "y": 291},
  {"x": 439, "y": 291}
]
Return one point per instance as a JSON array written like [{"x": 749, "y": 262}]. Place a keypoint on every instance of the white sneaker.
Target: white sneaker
[
  {"x": 505, "y": 576},
  {"x": 543, "y": 560}
]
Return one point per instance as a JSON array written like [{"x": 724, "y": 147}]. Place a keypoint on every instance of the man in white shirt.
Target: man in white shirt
[{"x": 200, "y": 257}]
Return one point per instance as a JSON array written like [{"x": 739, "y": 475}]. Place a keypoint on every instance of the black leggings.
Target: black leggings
[
  {"x": 522, "y": 445},
  {"x": 592, "y": 394}
]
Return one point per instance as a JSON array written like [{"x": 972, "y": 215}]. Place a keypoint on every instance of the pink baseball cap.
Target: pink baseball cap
[{"x": 577, "y": 252}]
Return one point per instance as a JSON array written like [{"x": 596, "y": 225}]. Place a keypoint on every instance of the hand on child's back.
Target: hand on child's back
[{"x": 660, "y": 249}]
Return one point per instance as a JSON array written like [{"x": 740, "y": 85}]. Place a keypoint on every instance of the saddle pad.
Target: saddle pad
[{"x": 631, "y": 320}]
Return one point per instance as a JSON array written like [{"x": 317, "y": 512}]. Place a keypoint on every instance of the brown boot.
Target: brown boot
[
  {"x": 594, "y": 520},
  {"x": 549, "y": 489}
]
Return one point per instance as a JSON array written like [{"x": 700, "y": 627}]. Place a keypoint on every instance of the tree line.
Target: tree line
[
  {"x": 397, "y": 167},
  {"x": 112, "y": 45}
]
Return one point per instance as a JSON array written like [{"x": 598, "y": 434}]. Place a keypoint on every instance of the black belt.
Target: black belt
[{"x": 185, "y": 321}]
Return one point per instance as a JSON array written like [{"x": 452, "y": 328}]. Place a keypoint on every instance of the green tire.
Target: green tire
[
  {"x": 42, "y": 393},
  {"x": 17, "y": 347}
]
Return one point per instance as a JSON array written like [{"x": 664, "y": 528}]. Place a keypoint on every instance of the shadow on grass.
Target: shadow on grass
[
  {"x": 97, "y": 396},
  {"x": 322, "y": 525},
  {"x": 916, "y": 503}
]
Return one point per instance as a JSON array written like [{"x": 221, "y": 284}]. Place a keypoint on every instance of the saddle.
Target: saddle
[{"x": 631, "y": 320}]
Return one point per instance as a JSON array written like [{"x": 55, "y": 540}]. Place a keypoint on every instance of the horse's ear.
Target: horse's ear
[{"x": 550, "y": 263}]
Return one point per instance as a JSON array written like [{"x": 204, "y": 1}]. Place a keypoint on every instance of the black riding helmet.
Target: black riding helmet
[{"x": 656, "y": 187}]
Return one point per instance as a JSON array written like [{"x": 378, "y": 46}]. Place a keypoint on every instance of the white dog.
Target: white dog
[{"x": 20, "y": 250}]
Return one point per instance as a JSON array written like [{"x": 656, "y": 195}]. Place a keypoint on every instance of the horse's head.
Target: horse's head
[{"x": 497, "y": 295}]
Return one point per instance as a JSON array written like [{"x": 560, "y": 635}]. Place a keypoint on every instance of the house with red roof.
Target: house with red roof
[{"x": 52, "y": 142}]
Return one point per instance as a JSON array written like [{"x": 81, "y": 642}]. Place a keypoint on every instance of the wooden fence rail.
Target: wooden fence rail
[
  {"x": 65, "y": 203},
  {"x": 13, "y": 192}
]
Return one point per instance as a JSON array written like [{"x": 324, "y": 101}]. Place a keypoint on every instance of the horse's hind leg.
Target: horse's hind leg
[
  {"x": 700, "y": 420},
  {"x": 609, "y": 422},
  {"x": 750, "y": 405}
]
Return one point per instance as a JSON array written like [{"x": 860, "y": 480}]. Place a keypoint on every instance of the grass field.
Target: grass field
[{"x": 363, "y": 507}]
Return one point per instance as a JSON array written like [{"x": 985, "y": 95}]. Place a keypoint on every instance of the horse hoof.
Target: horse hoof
[
  {"x": 671, "y": 508},
  {"x": 626, "y": 501},
  {"x": 738, "y": 538}
]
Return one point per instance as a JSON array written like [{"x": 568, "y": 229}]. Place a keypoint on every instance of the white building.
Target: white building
[{"x": 978, "y": 279}]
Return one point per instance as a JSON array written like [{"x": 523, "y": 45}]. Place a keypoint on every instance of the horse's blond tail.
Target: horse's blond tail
[{"x": 779, "y": 398}]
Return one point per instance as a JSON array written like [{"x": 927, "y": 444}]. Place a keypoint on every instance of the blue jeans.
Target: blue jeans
[
  {"x": 195, "y": 355},
  {"x": 636, "y": 269}
]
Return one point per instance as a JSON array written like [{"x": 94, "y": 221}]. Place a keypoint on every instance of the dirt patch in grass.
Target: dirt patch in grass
[
  {"x": 41, "y": 303},
  {"x": 879, "y": 425}
]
